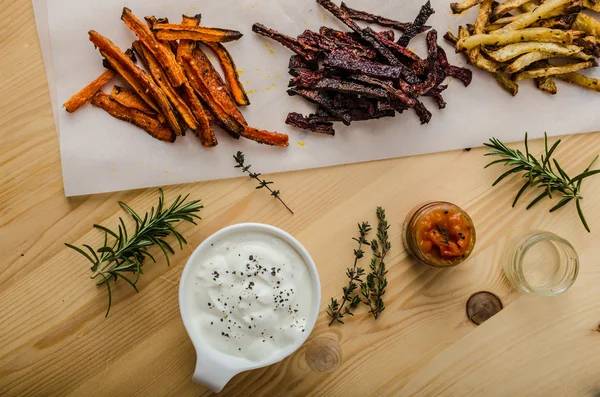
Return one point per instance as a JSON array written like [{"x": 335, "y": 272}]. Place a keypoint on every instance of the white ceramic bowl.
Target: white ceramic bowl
[{"x": 214, "y": 368}]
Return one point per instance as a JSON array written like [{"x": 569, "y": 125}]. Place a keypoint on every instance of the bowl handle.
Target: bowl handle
[{"x": 212, "y": 374}]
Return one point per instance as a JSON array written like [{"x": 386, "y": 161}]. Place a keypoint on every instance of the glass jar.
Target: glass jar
[
  {"x": 541, "y": 263},
  {"x": 439, "y": 234}
]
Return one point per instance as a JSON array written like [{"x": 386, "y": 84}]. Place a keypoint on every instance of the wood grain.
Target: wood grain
[{"x": 54, "y": 339}]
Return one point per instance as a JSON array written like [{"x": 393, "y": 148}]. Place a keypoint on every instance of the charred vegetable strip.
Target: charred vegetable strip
[
  {"x": 214, "y": 83},
  {"x": 163, "y": 82},
  {"x": 351, "y": 63},
  {"x": 364, "y": 115},
  {"x": 579, "y": 79},
  {"x": 587, "y": 24},
  {"x": 527, "y": 19},
  {"x": 463, "y": 74},
  {"x": 132, "y": 100},
  {"x": 420, "y": 21},
  {"x": 434, "y": 75},
  {"x": 340, "y": 37},
  {"x": 322, "y": 100},
  {"x": 151, "y": 125},
  {"x": 309, "y": 78},
  {"x": 546, "y": 84},
  {"x": 310, "y": 123},
  {"x": 340, "y": 14},
  {"x": 372, "y": 38},
  {"x": 348, "y": 87},
  {"x": 297, "y": 62},
  {"x": 162, "y": 53},
  {"x": 87, "y": 93},
  {"x": 592, "y": 5},
  {"x": 459, "y": 8},
  {"x": 371, "y": 18},
  {"x": 423, "y": 113},
  {"x": 554, "y": 70},
  {"x": 136, "y": 77},
  {"x": 170, "y": 32},
  {"x": 265, "y": 137},
  {"x": 352, "y": 101},
  {"x": 590, "y": 45},
  {"x": 510, "y": 86},
  {"x": 485, "y": 10},
  {"x": 402, "y": 52},
  {"x": 437, "y": 97},
  {"x": 317, "y": 40},
  {"x": 187, "y": 46},
  {"x": 508, "y": 6},
  {"x": 355, "y": 115},
  {"x": 131, "y": 79},
  {"x": 204, "y": 132},
  {"x": 513, "y": 50},
  {"x": 221, "y": 117},
  {"x": 393, "y": 92},
  {"x": 306, "y": 52},
  {"x": 516, "y": 36},
  {"x": 129, "y": 52},
  {"x": 231, "y": 74},
  {"x": 170, "y": 46},
  {"x": 527, "y": 59},
  {"x": 206, "y": 82}
]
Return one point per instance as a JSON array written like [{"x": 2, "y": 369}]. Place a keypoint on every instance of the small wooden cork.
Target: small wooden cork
[
  {"x": 482, "y": 306},
  {"x": 324, "y": 355}
]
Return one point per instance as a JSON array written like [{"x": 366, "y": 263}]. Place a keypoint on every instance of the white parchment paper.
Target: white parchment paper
[
  {"x": 102, "y": 154},
  {"x": 40, "y": 10}
]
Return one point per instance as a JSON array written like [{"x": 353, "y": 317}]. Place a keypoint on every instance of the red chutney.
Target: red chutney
[
  {"x": 443, "y": 234},
  {"x": 439, "y": 234}
]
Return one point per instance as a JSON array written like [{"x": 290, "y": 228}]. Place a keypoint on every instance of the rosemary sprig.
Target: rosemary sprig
[
  {"x": 126, "y": 253},
  {"x": 374, "y": 287},
  {"x": 336, "y": 310},
  {"x": 240, "y": 159},
  {"x": 540, "y": 174}
]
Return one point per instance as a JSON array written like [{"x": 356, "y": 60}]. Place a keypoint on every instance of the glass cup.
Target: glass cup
[{"x": 541, "y": 263}]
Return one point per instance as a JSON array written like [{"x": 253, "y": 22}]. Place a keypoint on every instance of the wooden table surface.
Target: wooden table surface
[{"x": 54, "y": 339}]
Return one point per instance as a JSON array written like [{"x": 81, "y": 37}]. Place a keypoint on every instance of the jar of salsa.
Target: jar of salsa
[{"x": 439, "y": 234}]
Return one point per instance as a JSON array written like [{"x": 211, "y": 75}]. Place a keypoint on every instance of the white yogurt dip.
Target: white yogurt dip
[{"x": 252, "y": 295}]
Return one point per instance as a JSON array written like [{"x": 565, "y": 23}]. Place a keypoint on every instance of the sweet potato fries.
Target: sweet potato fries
[
  {"x": 365, "y": 74},
  {"x": 179, "y": 88}
]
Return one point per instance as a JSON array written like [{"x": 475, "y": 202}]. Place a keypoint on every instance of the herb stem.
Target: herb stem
[
  {"x": 374, "y": 287},
  {"x": 240, "y": 160},
  {"x": 337, "y": 311},
  {"x": 346, "y": 298},
  {"x": 540, "y": 174}
]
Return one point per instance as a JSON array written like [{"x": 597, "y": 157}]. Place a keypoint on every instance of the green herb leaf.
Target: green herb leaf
[
  {"x": 336, "y": 310},
  {"x": 521, "y": 191},
  {"x": 373, "y": 289},
  {"x": 561, "y": 204},
  {"x": 582, "y": 217},
  {"x": 540, "y": 174},
  {"x": 127, "y": 252}
]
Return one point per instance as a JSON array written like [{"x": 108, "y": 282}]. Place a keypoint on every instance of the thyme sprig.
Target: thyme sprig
[
  {"x": 540, "y": 174},
  {"x": 125, "y": 255},
  {"x": 373, "y": 289},
  {"x": 336, "y": 310},
  {"x": 240, "y": 159}
]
